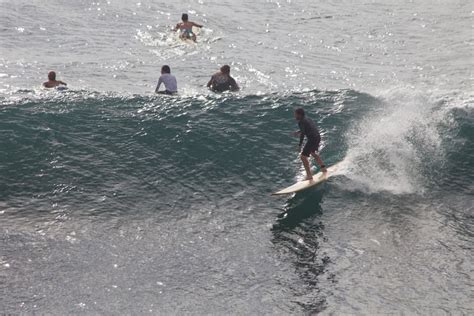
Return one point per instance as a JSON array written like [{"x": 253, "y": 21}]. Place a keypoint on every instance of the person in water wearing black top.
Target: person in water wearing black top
[
  {"x": 308, "y": 130},
  {"x": 222, "y": 81}
]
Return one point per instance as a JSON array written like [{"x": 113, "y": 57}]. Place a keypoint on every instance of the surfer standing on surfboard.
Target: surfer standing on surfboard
[
  {"x": 308, "y": 129},
  {"x": 186, "y": 28}
]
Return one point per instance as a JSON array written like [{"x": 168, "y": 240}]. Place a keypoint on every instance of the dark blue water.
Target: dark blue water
[{"x": 167, "y": 201}]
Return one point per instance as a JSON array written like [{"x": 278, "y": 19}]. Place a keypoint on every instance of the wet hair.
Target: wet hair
[
  {"x": 225, "y": 69},
  {"x": 184, "y": 17},
  {"x": 166, "y": 69},
  {"x": 299, "y": 112},
  {"x": 51, "y": 75}
]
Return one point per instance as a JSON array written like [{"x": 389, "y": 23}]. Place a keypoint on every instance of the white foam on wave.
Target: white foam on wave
[
  {"x": 166, "y": 44},
  {"x": 390, "y": 148}
]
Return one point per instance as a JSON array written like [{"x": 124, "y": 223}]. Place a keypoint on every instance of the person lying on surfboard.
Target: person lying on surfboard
[
  {"x": 308, "y": 129},
  {"x": 186, "y": 28}
]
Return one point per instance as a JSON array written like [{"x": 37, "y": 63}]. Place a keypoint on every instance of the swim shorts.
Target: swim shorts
[{"x": 311, "y": 146}]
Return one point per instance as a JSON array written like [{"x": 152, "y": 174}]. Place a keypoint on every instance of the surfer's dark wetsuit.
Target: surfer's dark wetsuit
[
  {"x": 221, "y": 82},
  {"x": 308, "y": 129}
]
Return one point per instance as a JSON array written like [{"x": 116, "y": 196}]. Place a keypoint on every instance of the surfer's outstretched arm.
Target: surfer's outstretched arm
[{"x": 196, "y": 25}]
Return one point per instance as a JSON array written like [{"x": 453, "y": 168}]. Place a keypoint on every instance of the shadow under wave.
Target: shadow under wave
[{"x": 297, "y": 236}]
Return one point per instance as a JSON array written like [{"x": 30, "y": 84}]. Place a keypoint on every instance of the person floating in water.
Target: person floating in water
[
  {"x": 222, "y": 81},
  {"x": 52, "y": 82},
  {"x": 308, "y": 129},
  {"x": 166, "y": 78},
  {"x": 186, "y": 28}
]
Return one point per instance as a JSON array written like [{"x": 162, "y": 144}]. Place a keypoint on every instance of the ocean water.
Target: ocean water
[{"x": 117, "y": 201}]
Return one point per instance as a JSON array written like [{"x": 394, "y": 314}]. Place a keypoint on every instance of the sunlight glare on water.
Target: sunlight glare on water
[{"x": 114, "y": 200}]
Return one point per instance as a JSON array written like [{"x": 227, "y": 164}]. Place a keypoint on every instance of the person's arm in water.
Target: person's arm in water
[
  {"x": 211, "y": 82},
  {"x": 177, "y": 27},
  {"x": 233, "y": 85},
  {"x": 196, "y": 25},
  {"x": 158, "y": 85},
  {"x": 62, "y": 82}
]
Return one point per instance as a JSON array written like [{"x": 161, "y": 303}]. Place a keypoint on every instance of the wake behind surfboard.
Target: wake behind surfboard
[{"x": 317, "y": 179}]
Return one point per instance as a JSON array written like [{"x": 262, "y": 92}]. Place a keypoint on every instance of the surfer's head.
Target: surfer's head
[
  {"x": 52, "y": 75},
  {"x": 184, "y": 17},
  {"x": 165, "y": 69},
  {"x": 225, "y": 69},
  {"x": 299, "y": 113}
]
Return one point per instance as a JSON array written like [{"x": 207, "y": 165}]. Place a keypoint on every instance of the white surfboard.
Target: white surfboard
[{"x": 317, "y": 179}]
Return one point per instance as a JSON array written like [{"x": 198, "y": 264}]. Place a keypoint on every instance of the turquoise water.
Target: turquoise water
[{"x": 116, "y": 201}]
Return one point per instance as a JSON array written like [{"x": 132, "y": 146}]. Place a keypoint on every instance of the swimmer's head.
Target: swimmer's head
[
  {"x": 51, "y": 75},
  {"x": 299, "y": 113},
  {"x": 165, "y": 69},
  {"x": 225, "y": 69},
  {"x": 185, "y": 17}
]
